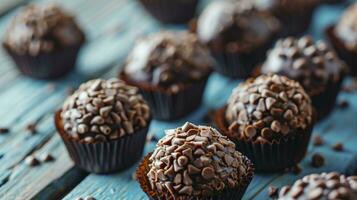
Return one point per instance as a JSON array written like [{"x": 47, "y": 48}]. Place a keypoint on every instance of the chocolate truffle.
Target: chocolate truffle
[
  {"x": 168, "y": 67},
  {"x": 343, "y": 37},
  {"x": 274, "y": 112},
  {"x": 269, "y": 107},
  {"x": 295, "y": 15},
  {"x": 44, "y": 41},
  {"x": 104, "y": 113},
  {"x": 238, "y": 35},
  {"x": 313, "y": 64},
  {"x": 197, "y": 162},
  {"x": 321, "y": 186},
  {"x": 171, "y": 11}
]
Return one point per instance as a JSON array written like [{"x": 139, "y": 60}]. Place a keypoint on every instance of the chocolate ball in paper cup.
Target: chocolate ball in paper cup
[
  {"x": 171, "y": 11},
  {"x": 327, "y": 185},
  {"x": 237, "y": 34},
  {"x": 194, "y": 162},
  {"x": 270, "y": 118},
  {"x": 343, "y": 37},
  {"x": 294, "y": 15},
  {"x": 44, "y": 41},
  {"x": 104, "y": 125},
  {"x": 171, "y": 70},
  {"x": 314, "y": 64}
]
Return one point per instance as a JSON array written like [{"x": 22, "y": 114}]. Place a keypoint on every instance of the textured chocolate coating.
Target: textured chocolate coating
[
  {"x": 313, "y": 64},
  {"x": 196, "y": 161},
  {"x": 167, "y": 59},
  {"x": 267, "y": 108},
  {"x": 346, "y": 28},
  {"x": 101, "y": 110},
  {"x": 42, "y": 28},
  {"x": 324, "y": 186},
  {"x": 235, "y": 26}
]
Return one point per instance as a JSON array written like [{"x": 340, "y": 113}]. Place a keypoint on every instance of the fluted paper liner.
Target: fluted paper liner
[
  {"x": 50, "y": 65},
  {"x": 240, "y": 64},
  {"x": 227, "y": 194},
  {"x": 104, "y": 157},
  {"x": 294, "y": 23},
  {"x": 343, "y": 52},
  {"x": 167, "y": 105},
  {"x": 172, "y": 11},
  {"x": 269, "y": 156}
]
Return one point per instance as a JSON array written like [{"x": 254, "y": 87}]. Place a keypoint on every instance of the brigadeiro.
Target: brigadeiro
[
  {"x": 194, "y": 162},
  {"x": 313, "y": 64},
  {"x": 43, "y": 41},
  {"x": 270, "y": 118},
  {"x": 295, "y": 15},
  {"x": 343, "y": 37},
  {"x": 329, "y": 186},
  {"x": 104, "y": 125},
  {"x": 171, "y": 11},
  {"x": 171, "y": 69},
  {"x": 237, "y": 34}
]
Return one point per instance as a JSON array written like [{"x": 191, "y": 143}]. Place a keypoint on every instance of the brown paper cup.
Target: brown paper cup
[
  {"x": 104, "y": 157},
  {"x": 172, "y": 11},
  {"x": 269, "y": 156},
  {"x": 240, "y": 64},
  {"x": 50, "y": 65},
  {"x": 167, "y": 105},
  {"x": 234, "y": 193},
  {"x": 343, "y": 52}
]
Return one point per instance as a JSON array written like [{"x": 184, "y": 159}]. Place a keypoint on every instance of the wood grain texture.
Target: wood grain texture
[{"x": 112, "y": 27}]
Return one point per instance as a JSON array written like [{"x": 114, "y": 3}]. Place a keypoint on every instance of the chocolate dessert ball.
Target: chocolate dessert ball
[
  {"x": 43, "y": 41},
  {"x": 237, "y": 34},
  {"x": 313, "y": 64},
  {"x": 321, "y": 186},
  {"x": 197, "y": 162}
]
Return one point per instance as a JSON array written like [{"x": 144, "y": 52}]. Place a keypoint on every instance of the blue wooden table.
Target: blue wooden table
[{"x": 112, "y": 27}]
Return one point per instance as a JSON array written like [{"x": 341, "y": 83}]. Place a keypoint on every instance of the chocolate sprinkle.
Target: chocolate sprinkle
[
  {"x": 31, "y": 161},
  {"x": 4, "y": 130},
  {"x": 32, "y": 128},
  {"x": 46, "y": 157},
  {"x": 338, "y": 147},
  {"x": 318, "y": 141},
  {"x": 343, "y": 104},
  {"x": 317, "y": 160},
  {"x": 272, "y": 191}
]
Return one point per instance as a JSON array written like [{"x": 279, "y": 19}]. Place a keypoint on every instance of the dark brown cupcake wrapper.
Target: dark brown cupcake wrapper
[
  {"x": 325, "y": 102},
  {"x": 227, "y": 194},
  {"x": 173, "y": 11},
  {"x": 50, "y": 65},
  {"x": 167, "y": 105},
  {"x": 269, "y": 156},
  {"x": 333, "y": 1},
  {"x": 295, "y": 23},
  {"x": 240, "y": 64},
  {"x": 104, "y": 157},
  {"x": 343, "y": 52}
]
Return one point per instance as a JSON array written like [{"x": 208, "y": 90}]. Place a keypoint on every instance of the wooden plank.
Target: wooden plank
[
  {"x": 26, "y": 182},
  {"x": 111, "y": 36},
  {"x": 41, "y": 102}
]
